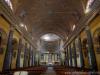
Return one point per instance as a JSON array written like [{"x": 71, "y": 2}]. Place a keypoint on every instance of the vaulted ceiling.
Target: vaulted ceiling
[{"x": 49, "y": 16}]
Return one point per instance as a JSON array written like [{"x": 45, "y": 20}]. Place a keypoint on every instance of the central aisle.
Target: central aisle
[{"x": 49, "y": 71}]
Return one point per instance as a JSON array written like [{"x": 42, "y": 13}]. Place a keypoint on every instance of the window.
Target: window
[{"x": 9, "y": 3}]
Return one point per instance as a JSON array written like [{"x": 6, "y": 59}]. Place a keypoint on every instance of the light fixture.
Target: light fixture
[
  {"x": 87, "y": 10},
  {"x": 74, "y": 26},
  {"x": 22, "y": 25},
  {"x": 47, "y": 38},
  {"x": 50, "y": 37},
  {"x": 89, "y": 3},
  {"x": 67, "y": 38},
  {"x": 9, "y": 4},
  {"x": 25, "y": 27}
]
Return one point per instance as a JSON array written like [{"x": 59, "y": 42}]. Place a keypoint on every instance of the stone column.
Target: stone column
[
  {"x": 92, "y": 58},
  {"x": 32, "y": 58},
  {"x": 67, "y": 56},
  {"x": 75, "y": 56},
  {"x": 81, "y": 53},
  {"x": 44, "y": 57},
  {"x": 19, "y": 54},
  {"x": 8, "y": 54},
  {"x": 70, "y": 52},
  {"x": 25, "y": 56},
  {"x": 35, "y": 61}
]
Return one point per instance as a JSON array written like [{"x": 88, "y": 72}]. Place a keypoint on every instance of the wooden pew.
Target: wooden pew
[
  {"x": 36, "y": 70},
  {"x": 61, "y": 70}
]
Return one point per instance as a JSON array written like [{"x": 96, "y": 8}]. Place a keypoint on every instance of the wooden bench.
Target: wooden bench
[
  {"x": 61, "y": 70},
  {"x": 36, "y": 70}
]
